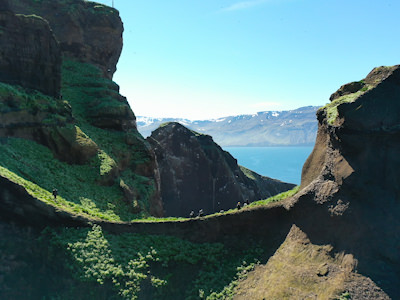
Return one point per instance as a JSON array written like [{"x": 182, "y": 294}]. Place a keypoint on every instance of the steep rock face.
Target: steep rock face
[
  {"x": 197, "y": 174},
  {"x": 87, "y": 31},
  {"x": 361, "y": 130},
  {"x": 30, "y": 55},
  {"x": 352, "y": 175},
  {"x": 91, "y": 33}
]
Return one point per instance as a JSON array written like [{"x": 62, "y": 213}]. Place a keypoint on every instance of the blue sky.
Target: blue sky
[{"x": 215, "y": 58}]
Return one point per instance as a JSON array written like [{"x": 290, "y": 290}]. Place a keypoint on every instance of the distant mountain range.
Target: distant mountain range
[{"x": 270, "y": 128}]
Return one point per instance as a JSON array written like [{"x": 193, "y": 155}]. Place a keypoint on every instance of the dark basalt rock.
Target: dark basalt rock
[
  {"x": 30, "y": 55},
  {"x": 197, "y": 174},
  {"x": 87, "y": 31},
  {"x": 352, "y": 177},
  {"x": 346, "y": 89}
]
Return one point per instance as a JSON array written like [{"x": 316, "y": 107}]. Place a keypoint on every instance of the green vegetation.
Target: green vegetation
[
  {"x": 277, "y": 197},
  {"x": 34, "y": 167},
  {"x": 83, "y": 85},
  {"x": 33, "y": 16},
  {"x": 107, "y": 163},
  {"x": 15, "y": 98},
  {"x": 249, "y": 173},
  {"x": 331, "y": 108},
  {"x": 344, "y": 296},
  {"x": 94, "y": 188},
  {"x": 98, "y": 8},
  {"x": 160, "y": 266}
]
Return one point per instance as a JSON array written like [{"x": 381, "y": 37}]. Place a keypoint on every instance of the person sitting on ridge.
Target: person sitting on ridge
[{"x": 238, "y": 205}]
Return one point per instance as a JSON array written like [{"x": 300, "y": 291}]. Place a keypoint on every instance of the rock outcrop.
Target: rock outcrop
[
  {"x": 352, "y": 177},
  {"x": 197, "y": 174},
  {"x": 30, "y": 55},
  {"x": 87, "y": 31}
]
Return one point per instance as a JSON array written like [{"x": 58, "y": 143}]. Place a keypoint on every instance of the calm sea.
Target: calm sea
[{"x": 283, "y": 163}]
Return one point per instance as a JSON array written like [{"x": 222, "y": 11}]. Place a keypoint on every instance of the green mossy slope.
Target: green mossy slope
[{"x": 98, "y": 188}]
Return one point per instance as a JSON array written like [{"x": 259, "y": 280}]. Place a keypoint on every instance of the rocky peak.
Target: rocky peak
[
  {"x": 197, "y": 174},
  {"x": 87, "y": 31}
]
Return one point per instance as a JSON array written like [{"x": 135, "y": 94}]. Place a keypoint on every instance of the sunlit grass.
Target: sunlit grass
[
  {"x": 127, "y": 261},
  {"x": 276, "y": 198}
]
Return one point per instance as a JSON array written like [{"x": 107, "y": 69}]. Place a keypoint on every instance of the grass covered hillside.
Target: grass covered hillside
[{"x": 107, "y": 179}]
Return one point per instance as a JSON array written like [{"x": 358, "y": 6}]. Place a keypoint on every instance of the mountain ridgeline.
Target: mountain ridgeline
[
  {"x": 270, "y": 128},
  {"x": 83, "y": 194}
]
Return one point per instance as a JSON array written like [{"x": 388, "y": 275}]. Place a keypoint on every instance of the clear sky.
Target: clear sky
[{"x": 202, "y": 59}]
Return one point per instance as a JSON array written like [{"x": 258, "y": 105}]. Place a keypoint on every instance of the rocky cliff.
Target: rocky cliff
[
  {"x": 30, "y": 55},
  {"x": 352, "y": 175},
  {"x": 87, "y": 31},
  {"x": 197, "y": 174}
]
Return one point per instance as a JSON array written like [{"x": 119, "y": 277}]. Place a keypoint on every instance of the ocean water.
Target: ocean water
[{"x": 283, "y": 163}]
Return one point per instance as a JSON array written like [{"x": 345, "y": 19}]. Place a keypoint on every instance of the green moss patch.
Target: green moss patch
[
  {"x": 276, "y": 198},
  {"x": 15, "y": 98},
  {"x": 331, "y": 108},
  {"x": 87, "y": 91}
]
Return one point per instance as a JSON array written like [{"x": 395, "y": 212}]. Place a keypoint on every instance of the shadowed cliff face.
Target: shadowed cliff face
[
  {"x": 30, "y": 55},
  {"x": 353, "y": 176},
  {"x": 197, "y": 174},
  {"x": 87, "y": 31}
]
